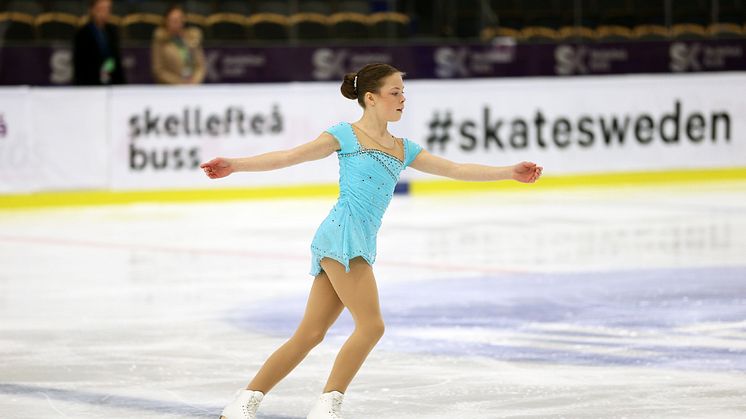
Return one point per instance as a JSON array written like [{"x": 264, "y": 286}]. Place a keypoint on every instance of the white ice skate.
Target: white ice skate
[
  {"x": 329, "y": 406},
  {"x": 243, "y": 406}
]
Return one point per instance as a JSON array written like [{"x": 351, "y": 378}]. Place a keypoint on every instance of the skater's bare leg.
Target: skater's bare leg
[
  {"x": 322, "y": 310},
  {"x": 358, "y": 291}
]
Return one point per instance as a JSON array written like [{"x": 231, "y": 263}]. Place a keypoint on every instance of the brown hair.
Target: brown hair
[
  {"x": 367, "y": 79},
  {"x": 92, "y": 3},
  {"x": 170, "y": 9}
]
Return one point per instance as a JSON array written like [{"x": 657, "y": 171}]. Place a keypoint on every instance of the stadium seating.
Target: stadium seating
[
  {"x": 155, "y": 7},
  {"x": 651, "y": 32},
  {"x": 310, "y": 26},
  {"x": 508, "y": 14},
  {"x": 272, "y": 6},
  {"x": 731, "y": 11},
  {"x": 227, "y": 26},
  {"x": 350, "y": 25},
  {"x": 17, "y": 20},
  {"x": 544, "y": 13},
  {"x": 197, "y": 12},
  {"x": 140, "y": 26},
  {"x": 121, "y": 9},
  {"x": 689, "y": 31},
  {"x": 75, "y": 8},
  {"x": 577, "y": 34},
  {"x": 647, "y": 12},
  {"x": 32, "y": 8},
  {"x": 354, "y": 6},
  {"x": 341, "y": 20},
  {"x": 313, "y": 6},
  {"x": 725, "y": 30},
  {"x": 389, "y": 25},
  {"x": 684, "y": 12},
  {"x": 269, "y": 26},
  {"x": 17, "y": 27},
  {"x": 614, "y": 33},
  {"x": 61, "y": 20},
  {"x": 539, "y": 34},
  {"x": 235, "y": 7},
  {"x": 616, "y": 13},
  {"x": 199, "y": 7},
  {"x": 56, "y": 25}
]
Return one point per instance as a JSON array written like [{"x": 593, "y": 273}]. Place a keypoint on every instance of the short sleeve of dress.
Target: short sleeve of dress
[
  {"x": 344, "y": 135},
  {"x": 412, "y": 150}
]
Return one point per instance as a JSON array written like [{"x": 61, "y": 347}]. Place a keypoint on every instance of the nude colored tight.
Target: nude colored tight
[{"x": 332, "y": 290}]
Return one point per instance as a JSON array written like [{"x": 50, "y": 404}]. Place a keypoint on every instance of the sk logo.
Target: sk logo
[
  {"x": 451, "y": 63},
  {"x": 211, "y": 66},
  {"x": 327, "y": 64},
  {"x": 685, "y": 57},
  {"x": 570, "y": 60}
]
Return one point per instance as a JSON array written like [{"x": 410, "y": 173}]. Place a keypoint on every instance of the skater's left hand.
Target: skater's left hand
[{"x": 526, "y": 172}]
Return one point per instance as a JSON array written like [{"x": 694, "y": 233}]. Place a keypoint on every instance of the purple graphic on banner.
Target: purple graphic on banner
[{"x": 46, "y": 66}]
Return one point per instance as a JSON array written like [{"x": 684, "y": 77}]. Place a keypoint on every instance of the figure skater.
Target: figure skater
[{"x": 344, "y": 246}]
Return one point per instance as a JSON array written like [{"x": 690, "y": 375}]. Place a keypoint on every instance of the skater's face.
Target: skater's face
[{"x": 388, "y": 103}]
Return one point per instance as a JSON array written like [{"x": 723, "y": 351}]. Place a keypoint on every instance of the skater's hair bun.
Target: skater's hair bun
[
  {"x": 367, "y": 79},
  {"x": 349, "y": 86}
]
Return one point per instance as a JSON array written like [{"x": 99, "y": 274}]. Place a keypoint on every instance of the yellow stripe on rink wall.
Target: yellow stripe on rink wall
[
  {"x": 422, "y": 187},
  {"x": 585, "y": 180},
  {"x": 66, "y": 199}
]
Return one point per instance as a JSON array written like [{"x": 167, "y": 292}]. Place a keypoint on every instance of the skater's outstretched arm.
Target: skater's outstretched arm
[
  {"x": 526, "y": 172},
  {"x": 317, "y": 149}
]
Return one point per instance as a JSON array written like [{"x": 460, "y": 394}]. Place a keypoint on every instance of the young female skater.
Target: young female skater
[{"x": 344, "y": 247}]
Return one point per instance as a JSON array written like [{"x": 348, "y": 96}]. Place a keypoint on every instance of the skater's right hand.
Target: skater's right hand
[{"x": 217, "y": 168}]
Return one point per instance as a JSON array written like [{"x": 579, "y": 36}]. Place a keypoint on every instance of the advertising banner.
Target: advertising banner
[
  {"x": 19, "y": 163},
  {"x": 160, "y": 135},
  {"x": 52, "y": 65},
  {"x": 601, "y": 124},
  {"x": 53, "y": 139},
  {"x": 152, "y": 138},
  {"x": 69, "y": 128}
]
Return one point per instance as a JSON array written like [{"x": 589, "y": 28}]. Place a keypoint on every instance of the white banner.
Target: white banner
[
  {"x": 161, "y": 135},
  {"x": 589, "y": 124},
  {"x": 154, "y": 137},
  {"x": 69, "y": 126},
  {"x": 53, "y": 139},
  {"x": 18, "y": 162}
]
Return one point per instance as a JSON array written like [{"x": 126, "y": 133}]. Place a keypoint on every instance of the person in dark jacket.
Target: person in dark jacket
[{"x": 96, "y": 56}]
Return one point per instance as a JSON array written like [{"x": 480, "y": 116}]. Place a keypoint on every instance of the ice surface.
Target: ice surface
[{"x": 573, "y": 303}]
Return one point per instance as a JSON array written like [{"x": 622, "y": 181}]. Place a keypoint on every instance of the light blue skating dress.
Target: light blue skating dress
[{"x": 367, "y": 178}]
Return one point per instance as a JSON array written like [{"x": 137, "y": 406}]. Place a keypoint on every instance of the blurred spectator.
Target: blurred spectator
[
  {"x": 177, "y": 55},
  {"x": 96, "y": 56}
]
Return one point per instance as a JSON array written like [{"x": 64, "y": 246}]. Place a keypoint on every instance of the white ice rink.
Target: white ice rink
[{"x": 569, "y": 303}]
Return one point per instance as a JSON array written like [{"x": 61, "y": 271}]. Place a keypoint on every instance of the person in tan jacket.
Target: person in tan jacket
[{"x": 177, "y": 55}]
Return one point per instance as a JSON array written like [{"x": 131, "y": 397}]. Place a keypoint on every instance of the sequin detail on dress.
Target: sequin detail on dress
[{"x": 367, "y": 178}]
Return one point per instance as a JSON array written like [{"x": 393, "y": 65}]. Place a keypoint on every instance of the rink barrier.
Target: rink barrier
[
  {"x": 424, "y": 187},
  {"x": 153, "y": 138},
  {"x": 89, "y": 198}
]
